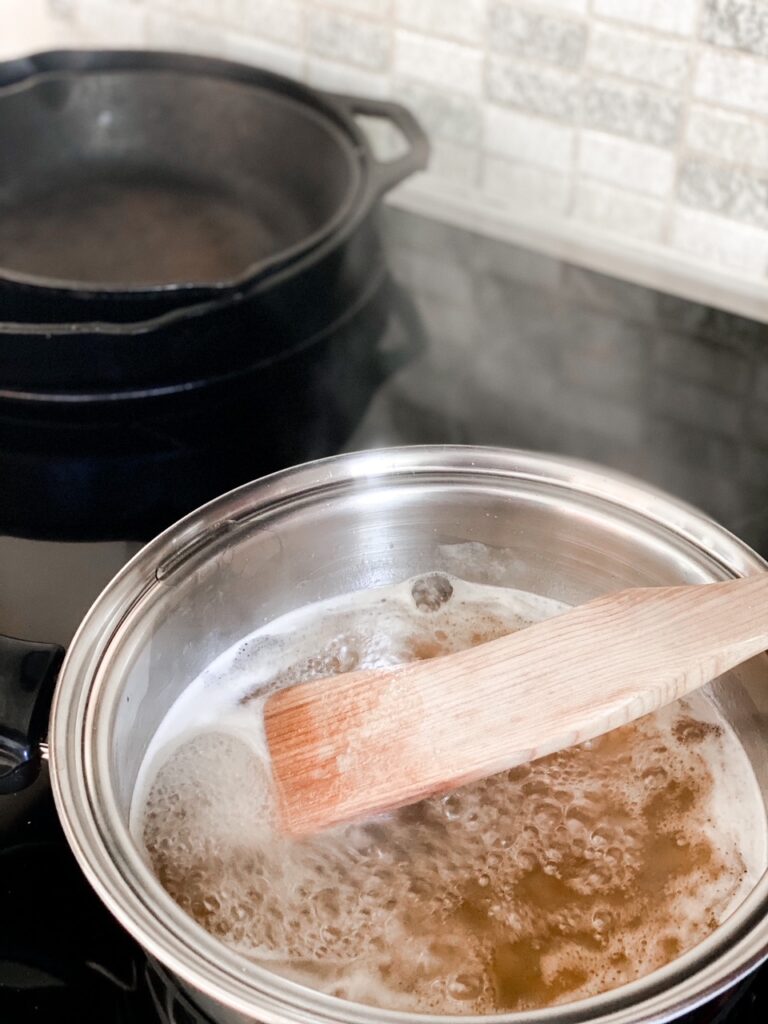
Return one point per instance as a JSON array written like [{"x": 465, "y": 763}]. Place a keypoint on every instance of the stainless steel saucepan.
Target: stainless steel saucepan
[{"x": 559, "y": 528}]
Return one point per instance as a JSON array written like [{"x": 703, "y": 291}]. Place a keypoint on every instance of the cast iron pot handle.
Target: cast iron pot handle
[
  {"x": 386, "y": 174},
  {"x": 27, "y": 680}
]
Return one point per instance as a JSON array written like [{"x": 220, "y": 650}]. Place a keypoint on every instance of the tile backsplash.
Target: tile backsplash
[{"x": 629, "y": 135}]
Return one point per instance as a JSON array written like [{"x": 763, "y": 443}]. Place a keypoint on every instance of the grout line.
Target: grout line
[
  {"x": 434, "y": 37},
  {"x": 653, "y": 30},
  {"x": 730, "y": 53},
  {"x": 751, "y": 115}
]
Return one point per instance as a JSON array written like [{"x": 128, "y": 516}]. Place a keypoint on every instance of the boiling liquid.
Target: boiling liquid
[{"x": 550, "y": 882}]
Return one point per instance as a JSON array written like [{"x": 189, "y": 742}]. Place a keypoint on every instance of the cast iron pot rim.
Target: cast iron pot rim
[
  {"x": 324, "y": 107},
  {"x": 129, "y": 889},
  {"x": 26, "y": 396},
  {"x": 171, "y": 317}
]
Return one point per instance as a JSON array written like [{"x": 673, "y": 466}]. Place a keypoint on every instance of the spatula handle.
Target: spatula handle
[{"x": 375, "y": 740}]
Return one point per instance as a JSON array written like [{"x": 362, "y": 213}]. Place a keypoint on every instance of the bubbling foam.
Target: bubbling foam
[{"x": 550, "y": 882}]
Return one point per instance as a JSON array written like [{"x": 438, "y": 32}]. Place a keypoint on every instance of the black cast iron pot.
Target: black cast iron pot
[
  {"x": 117, "y": 464},
  {"x": 127, "y": 401},
  {"x": 135, "y": 182}
]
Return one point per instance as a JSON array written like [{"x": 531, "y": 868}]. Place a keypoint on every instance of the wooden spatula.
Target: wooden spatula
[{"x": 370, "y": 741}]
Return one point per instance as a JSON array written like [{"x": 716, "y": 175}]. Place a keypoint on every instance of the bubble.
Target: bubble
[
  {"x": 348, "y": 657},
  {"x": 547, "y": 815},
  {"x": 465, "y": 986},
  {"x": 526, "y": 860},
  {"x": 600, "y": 837},
  {"x": 452, "y": 807},
  {"x": 580, "y": 814},
  {"x": 601, "y": 920},
  {"x": 655, "y": 777},
  {"x": 431, "y": 592}
]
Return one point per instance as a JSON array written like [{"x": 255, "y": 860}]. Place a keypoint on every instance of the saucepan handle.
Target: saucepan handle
[
  {"x": 388, "y": 173},
  {"x": 28, "y": 674}
]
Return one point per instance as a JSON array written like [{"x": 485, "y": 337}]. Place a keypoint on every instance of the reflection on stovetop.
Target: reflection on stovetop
[
  {"x": 521, "y": 351},
  {"x": 525, "y": 351}
]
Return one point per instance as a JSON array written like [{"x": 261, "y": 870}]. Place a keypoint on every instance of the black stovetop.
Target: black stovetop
[
  {"x": 517, "y": 349},
  {"x": 60, "y": 949}
]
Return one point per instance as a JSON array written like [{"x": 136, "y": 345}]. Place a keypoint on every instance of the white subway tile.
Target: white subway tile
[
  {"x": 449, "y": 65},
  {"x": 735, "y": 138},
  {"x": 742, "y": 24},
  {"x": 105, "y": 23},
  {"x": 619, "y": 212},
  {"x": 458, "y": 19},
  {"x": 453, "y": 164},
  {"x": 200, "y": 9},
  {"x": 638, "y": 55},
  {"x": 62, "y": 10},
  {"x": 733, "y": 192},
  {"x": 638, "y": 111},
  {"x": 445, "y": 115},
  {"x": 344, "y": 37},
  {"x": 716, "y": 240},
  {"x": 630, "y": 165},
  {"x": 278, "y": 20},
  {"x": 677, "y": 16},
  {"x": 261, "y": 53},
  {"x": 328, "y": 74},
  {"x": 732, "y": 80},
  {"x": 520, "y": 185},
  {"x": 528, "y": 139},
  {"x": 535, "y": 35},
  {"x": 371, "y": 8},
  {"x": 533, "y": 87},
  {"x": 166, "y": 31},
  {"x": 169, "y": 31},
  {"x": 569, "y": 6},
  {"x": 385, "y": 140}
]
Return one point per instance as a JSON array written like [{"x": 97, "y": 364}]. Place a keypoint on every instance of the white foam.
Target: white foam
[{"x": 556, "y": 880}]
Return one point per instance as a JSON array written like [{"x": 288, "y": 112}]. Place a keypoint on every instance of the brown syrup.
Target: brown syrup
[{"x": 553, "y": 881}]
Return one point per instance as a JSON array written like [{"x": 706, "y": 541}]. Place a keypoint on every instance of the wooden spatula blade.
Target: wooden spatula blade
[{"x": 371, "y": 741}]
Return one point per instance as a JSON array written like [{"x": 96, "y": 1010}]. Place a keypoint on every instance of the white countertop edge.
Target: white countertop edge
[{"x": 653, "y": 266}]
